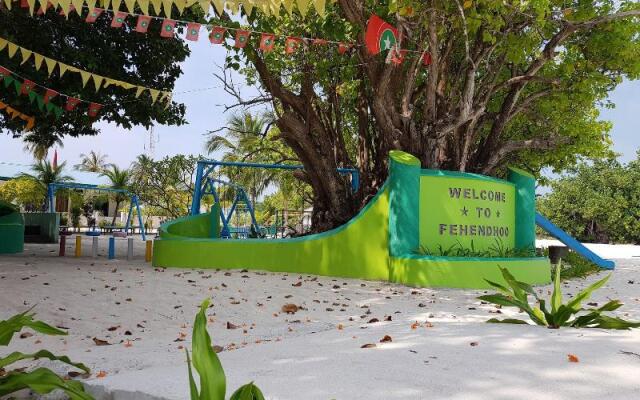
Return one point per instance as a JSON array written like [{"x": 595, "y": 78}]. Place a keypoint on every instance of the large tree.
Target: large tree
[
  {"x": 509, "y": 83},
  {"x": 119, "y": 53}
]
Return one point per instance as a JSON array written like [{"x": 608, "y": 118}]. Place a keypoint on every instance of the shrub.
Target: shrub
[
  {"x": 570, "y": 314},
  {"x": 40, "y": 380}
]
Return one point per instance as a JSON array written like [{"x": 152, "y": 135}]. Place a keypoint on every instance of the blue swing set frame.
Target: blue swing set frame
[
  {"x": 239, "y": 198},
  {"x": 53, "y": 187}
]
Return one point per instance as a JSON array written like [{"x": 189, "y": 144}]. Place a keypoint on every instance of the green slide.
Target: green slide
[
  {"x": 383, "y": 241},
  {"x": 11, "y": 229}
]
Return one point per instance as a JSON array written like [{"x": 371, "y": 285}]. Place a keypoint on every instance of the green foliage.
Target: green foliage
[
  {"x": 23, "y": 192},
  {"x": 497, "y": 249},
  {"x": 147, "y": 60},
  {"x": 166, "y": 185},
  {"x": 597, "y": 202},
  {"x": 571, "y": 314},
  {"x": 574, "y": 266},
  {"x": 209, "y": 368},
  {"x": 40, "y": 380}
]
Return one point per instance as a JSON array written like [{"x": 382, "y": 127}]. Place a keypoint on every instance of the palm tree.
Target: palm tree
[
  {"x": 39, "y": 147},
  {"x": 120, "y": 179},
  {"x": 244, "y": 141},
  {"x": 92, "y": 162},
  {"x": 45, "y": 173}
]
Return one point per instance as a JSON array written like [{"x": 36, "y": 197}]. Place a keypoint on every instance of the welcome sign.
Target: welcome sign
[{"x": 467, "y": 211}]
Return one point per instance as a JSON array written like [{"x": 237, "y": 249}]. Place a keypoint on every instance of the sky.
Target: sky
[{"x": 205, "y": 112}]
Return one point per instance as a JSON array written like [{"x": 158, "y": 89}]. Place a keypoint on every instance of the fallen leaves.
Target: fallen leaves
[
  {"x": 298, "y": 284},
  {"x": 386, "y": 339},
  {"x": 100, "y": 342},
  {"x": 290, "y": 308},
  {"x": 473, "y": 344},
  {"x": 368, "y": 346},
  {"x": 231, "y": 325},
  {"x": 25, "y": 335},
  {"x": 101, "y": 374},
  {"x": 573, "y": 358}
]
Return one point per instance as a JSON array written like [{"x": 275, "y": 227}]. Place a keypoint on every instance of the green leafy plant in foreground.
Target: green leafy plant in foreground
[
  {"x": 209, "y": 368},
  {"x": 516, "y": 294},
  {"x": 40, "y": 380}
]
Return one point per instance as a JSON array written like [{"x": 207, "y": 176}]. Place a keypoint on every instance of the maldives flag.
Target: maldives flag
[
  {"x": 193, "y": 31},
  {"x": 27, "y": 86},
  {"x": 168, "y": 28},
  {"x": 118, "y": 19},
  {"x": 242, "y": 37},
  {"x": 217, "y": 35},
  {"x": 93, "y": 15},
  {"x": 49, "y": 94},
  {"x": 291, "y": 44},
  {"x": 72, "y": 102},
  {"x": 143, "y": 23},
  {"x": 94, "y": 108},
  {"x": 4, "y": 72},
  {"x": 267, "y": 41},
  {"x": 380, "y": 36}
]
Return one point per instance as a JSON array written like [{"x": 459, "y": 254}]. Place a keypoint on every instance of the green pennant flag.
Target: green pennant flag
[
  {"x": 18, "y": 87},
  {"x": 40, "y": 102},
  {"x": 50, "y": 108},
  {"x": 32, "y": 96},
  {"x": 58, "y": 112},
  {"x": 8, "y": 80}
]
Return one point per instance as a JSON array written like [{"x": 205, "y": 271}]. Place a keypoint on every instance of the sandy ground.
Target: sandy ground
[{"x": 146, "y": 316}]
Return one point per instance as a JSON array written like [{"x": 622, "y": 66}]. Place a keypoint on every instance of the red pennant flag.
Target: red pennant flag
[
  {"x": 426, "y": 59},
  {"x": 168, "y": 28},
  {"x": 143, "y": 23},
  {"x": 94, "y": 108},
  {"x": 72, "y": 102},
  {"x": 24, "y": 4},
  {"x": 43, "y": 10},
  {"x": 27, "y": 86},
  {"x": 242, "y": 37},
  {"x": 118, "y": 19},
  {"x": 217, "y": 35},
  {"x": 267, "y": 41},
  {"x": 4, "y": 72},
  {"x": 319, "y": 42},
  {"x": 71, "y": 9},
  {"x": 291, "y": 44},
  {"x": 49, "y": 94},
  {"x": 343, "y": 47},
  {"x": 380, "y": 36},
  {"x": 193, "y": 31},
  {"x": 93, "y": 15}
]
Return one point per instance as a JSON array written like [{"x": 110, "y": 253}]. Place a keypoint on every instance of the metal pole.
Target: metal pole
[
  {"x": 148, "y": 255},
  {"x": 63, "y": 245},
  {"x": 129, "y": 249},
  {"x": 78, "y": 246},
  {"x": 94, "y": 247},
  {"x": 195, "y": 202},
  {"x": 112, "y": 248}
]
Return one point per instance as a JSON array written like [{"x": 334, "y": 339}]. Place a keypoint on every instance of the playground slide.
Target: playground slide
[{"x": 572, "y": 243}]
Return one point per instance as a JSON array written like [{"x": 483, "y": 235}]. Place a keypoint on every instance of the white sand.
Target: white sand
[{"x": 306, "y": 356}]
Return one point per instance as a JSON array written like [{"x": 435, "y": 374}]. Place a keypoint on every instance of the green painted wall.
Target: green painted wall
[
  {"x": 404, "y": 186},
  {"x": 458, "y": 209},
  {"x": 458, "y": 272},
  {"x": 525, "y": 207},
  {"x": 49, "y": 224},
  {"x": 11, "y": 229},
  {"x": 358, "y": 249}
]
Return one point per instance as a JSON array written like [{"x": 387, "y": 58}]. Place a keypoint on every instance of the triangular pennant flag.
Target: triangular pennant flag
[
  {"x": 64, "y": 68},
  {"x": 167, "y": 6},
  {"x": 32, "y": 96},
  {"x": 48, "y": 95},
  {"x": 57, "y": 111},
  {"x": 13, "y": 48},
  {"x": 32, "y": 6},
  {"x": 168, "y": 28},
  {"x": 248, "y": 8},
  {"x": 85, "y": 77},
  {"x": 193, "y": 31},
  {"x": 139, "y": 91},
  {"x": 91, "y": 4},
  {"x": 37, "y": 60},
  {"x": 242, "y": 37},
  {"x": 51, "y": 65},
  {"x": 143, "y": 23},
  {"x": 77, "y": 6},
  {"x": 291, "y": 44},
  {"x": 3, "y": 44},
  {"x": 8, "y": 80},
  {"x": 27, "y": 86},
  {"x": 154, "y": 94},
  {"x": 26, "y": 54},
  {"x": 115, "y": 5},
  {"x": 303, "y": 6},
  {"x": 4, "y": 72},
  {"x": 343, "y": 47},
  {"x": 426, "y": 59},
  {"x": 267, "y": 41},
  {"x": 219, "y": 6},
  {"x": 217, "y": 35},
  {"x": 131, "y": 5},
  {"x": 144, "y": 6},
  {"x": 72, "y": 102},
  {"x": 50, "y": 107},
  {"x": 205, "y": 5},
  {"x": 40, "y": 103},
  {"x": 320, "y": 7},
  {"x": 18, "y": 87},
  {"x": 97, "y": 81},
  {"x": 180, "y": 5},
  {"x": 157, "y": 6},
  {"x": 94, "y": 108},
  {"x": 118, "y": 19},
  {"x": 93, "y": 15}
]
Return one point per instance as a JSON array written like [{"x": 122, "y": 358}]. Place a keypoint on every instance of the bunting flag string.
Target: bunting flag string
[
  {"x": 13, "y": 114},
  {"x": 43, "y": 101},
  {"x": 268, "y": 7},
  {"x": 99, "y": 81}
]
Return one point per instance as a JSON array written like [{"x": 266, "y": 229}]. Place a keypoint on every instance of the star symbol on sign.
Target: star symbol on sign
[
  {"x": 387, "y": 43},
  {"x": 498, "y": 214},
  {"x": 464, "y": 211}
]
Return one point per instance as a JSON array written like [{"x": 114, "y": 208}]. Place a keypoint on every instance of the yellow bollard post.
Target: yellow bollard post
[
  {"x": 78, "y": 246},
  {"x": 149, "y": 251}
]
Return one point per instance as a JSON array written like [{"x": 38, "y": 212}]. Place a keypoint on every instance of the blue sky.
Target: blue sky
[{"x": 205, "y": 112}]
